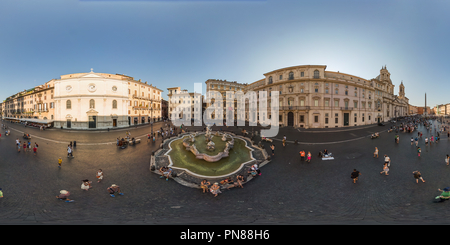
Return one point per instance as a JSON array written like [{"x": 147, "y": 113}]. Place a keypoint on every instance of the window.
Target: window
[
  {"x": 91, "y": 104},
  {"x": 346, "y": 92},
  {"x": 302, "y": 102},
  {"x": 326, "y": 120},
  {"x": 327, "y": 103},
  {"x": 68, "y": 104},
  {"x": 302, "y": 74},
  {"x": 316, "y": 90},
  {"x": 355, "y": 104},
  {"x": 270, "y": 80},
  {"x": 114, "y": 104},
  {"x": 336, "y": 103},
  {"x": 356, "y": 94},
  {"x": 316, "y": 102},
  {"x": 336, "y": 91},
  {"x": 316, "y": 74},
  {"x": 326, "y": 90},
  {"x": 291, "y": 75},
  {"x": 281, "y": 77},
  {"x": 316, "y": 119},
  {"x": 302, "y": 118}
]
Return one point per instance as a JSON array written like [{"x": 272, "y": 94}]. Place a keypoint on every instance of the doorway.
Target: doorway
[
  {"x": 346, "y": 116},
  {"x": 92, "y": 121},
  {"x": 290, "y": 119},
  {"x": 114, "y": 122},
  {"x": 69, "y": 123}
]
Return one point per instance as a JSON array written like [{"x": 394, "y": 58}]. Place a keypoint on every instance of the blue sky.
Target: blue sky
[{"x": 179, "y": 43}]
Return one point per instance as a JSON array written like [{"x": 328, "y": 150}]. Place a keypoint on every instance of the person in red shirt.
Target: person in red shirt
[{"x": 302, "y": 155}]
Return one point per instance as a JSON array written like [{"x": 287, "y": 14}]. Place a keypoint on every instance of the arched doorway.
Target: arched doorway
[{"x": 290, "y": 119}]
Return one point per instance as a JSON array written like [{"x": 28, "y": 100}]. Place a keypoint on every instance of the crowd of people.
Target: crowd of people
[{"x": 408, "y": 125}]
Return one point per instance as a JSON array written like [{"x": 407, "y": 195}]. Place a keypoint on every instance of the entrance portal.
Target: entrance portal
[
  {"x": 92, "y": 121},
  {"x": 346, "y": 116},
  {"x": 290, "y": 119}
]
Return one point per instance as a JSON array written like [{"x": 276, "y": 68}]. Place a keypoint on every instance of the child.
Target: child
[
  {"x": 59, "y": 162},
  {"x": 418, "y": 151},
  {"x": 99, "y": 175}
]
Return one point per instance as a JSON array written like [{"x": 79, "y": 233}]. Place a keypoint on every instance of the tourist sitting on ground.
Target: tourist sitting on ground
[
  {"x": 215, "y": 189},
  {"x": 252, "y": 172},
  {"x": 63, "y": 195},
  {"x": 167, "y": 173},
  {"x": 204, "y": 185},
  {"x": 227, "y": 181},
  {"x": 445, "y": 195},
  {"x": 239, "y": 181},
  {"x": 114, "y": 189},
  {"x": 162, "y": 170},
  {"x": 86, "y": 185}
]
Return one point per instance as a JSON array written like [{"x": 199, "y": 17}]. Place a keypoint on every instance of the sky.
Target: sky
[{"x": 182, "y": 42}]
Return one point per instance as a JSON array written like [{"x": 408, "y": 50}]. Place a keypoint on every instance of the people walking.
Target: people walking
[
  {"x": 418, "y": 151},
  {"x": 59, "y": 162},
  {"x": 354, "y": 175},
  {"x": 273, "y": 149},
  {"x": 376, "y": 152},
  {"x": 69, "y": 151},
  {"x": 308, "y": 157},
  {"x": 417, "y": 176},
  {"x": 387, "y": 160},
  {"x": 385, "y": 169},
  {"x": 99, "y": 175}
]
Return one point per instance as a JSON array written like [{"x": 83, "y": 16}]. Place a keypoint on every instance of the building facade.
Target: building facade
[
  {"x": 184, "y": 104},
  {"x": 88, "y": 101},
  {"x": 91, "y": 100},
  {"x": 220, "y": 88},
  {"x": 37, "y": 103},
  {"x": 311, "y": 97}
]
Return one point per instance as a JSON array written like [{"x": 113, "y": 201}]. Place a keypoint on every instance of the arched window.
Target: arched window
[
  {"x": 68, "y": 104},
  {"x": 316, "y": 74},
  {"x": 270, "y": 80},
  {"x": 91, "y": 104},
  {"x": 114, "y": 104},
  {"x": 291, "y": 75}
]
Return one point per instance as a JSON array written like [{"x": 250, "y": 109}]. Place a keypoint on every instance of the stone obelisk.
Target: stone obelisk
[{"x": 425, "y": 105}]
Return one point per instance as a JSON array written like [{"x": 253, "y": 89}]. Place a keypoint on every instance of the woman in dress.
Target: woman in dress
[
  {"x": 308, "y": 156},
  {"x": 215, "y": 189}
]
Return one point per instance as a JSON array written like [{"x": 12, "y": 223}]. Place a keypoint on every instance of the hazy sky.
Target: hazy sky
[{"x": 179, "y": 43}]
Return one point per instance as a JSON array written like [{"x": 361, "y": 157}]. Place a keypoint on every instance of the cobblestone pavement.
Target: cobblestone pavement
[{"x": 287, "y": 192}]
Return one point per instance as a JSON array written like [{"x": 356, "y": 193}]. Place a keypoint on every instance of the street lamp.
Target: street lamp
[{"x": 151, "y": 122}]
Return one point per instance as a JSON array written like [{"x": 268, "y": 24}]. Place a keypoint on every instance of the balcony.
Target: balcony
[
  {"x": 346, "y": 108},
  {"x": 294, "y": 108}
]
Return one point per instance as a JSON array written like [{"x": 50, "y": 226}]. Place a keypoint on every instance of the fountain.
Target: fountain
[{"x": 201, "y": 155}]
